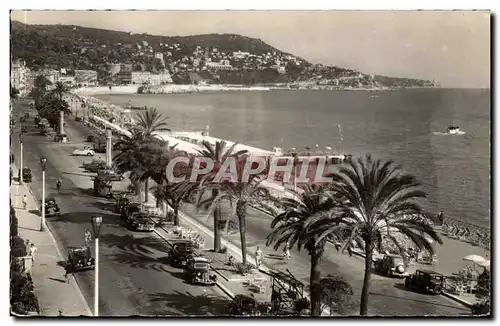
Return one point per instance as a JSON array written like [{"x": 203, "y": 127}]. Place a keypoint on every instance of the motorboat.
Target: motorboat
[{"x": 453, "y": 130}]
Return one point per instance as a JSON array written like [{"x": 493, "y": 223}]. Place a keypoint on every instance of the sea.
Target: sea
[{"x": 407, "y": 126}]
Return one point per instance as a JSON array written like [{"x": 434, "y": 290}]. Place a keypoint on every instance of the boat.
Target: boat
[{"x": 453, "y": 130}]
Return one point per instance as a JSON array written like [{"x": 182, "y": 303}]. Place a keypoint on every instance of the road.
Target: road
[{"x": 134, "y": 279}]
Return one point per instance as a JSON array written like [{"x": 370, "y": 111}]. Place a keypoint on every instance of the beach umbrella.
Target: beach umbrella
[
  {"x": 476, "y": 259},
  {"x": 485, "y": 263}
]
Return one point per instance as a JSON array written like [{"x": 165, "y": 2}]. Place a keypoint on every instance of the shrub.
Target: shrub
[
  {"x": 336, "y": 294},
  {"x": 17, "y": 247},
  {"x": 22, "y": 298},
  {"x": 244, "y": 269},
  {"x": 13, "y": 222}
]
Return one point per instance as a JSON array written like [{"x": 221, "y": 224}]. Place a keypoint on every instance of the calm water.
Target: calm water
[{"x": 402, "y": 125}]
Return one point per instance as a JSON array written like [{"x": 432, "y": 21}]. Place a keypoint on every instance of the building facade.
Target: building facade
[
  {"x": 19, "y": 75},
  {"x": 86, "y": 77},
  {"x": 144, "y": 77}
]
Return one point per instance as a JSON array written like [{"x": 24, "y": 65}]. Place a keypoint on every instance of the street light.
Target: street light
[
  {"x": 21, "y": 167},
  {"x": 43, "y": 164},
  {"x": 96, "y": 227}
]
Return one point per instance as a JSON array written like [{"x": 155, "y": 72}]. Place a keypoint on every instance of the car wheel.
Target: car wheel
[
  {"x": 438, "y": 290},
  {"x": 407, "y": 283},
  {"x": 90, "y": 154}
]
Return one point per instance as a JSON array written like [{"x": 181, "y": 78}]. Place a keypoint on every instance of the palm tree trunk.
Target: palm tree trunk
[
  {"x": 314, "y": 280},
  {"x": 146, "y": 190},
  {"x": 217, "y": 231},
  {"x": 176, "y": 213},
  {"x": 241, "y": 220},
  {"x": 363, "y": 309}
]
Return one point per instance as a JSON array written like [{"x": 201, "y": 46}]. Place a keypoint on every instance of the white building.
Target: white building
[
  {"x": 218, "y": 65},
  {"x": 86, "y": 77},
  {"x": 240, "y": 55},
  {"x": 19, "y": 76}
]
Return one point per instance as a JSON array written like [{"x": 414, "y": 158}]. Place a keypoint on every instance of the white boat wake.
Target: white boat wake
[{"x": 458, "y": 133}]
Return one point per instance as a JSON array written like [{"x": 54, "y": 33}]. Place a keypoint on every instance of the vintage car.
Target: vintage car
[
  {"x": 130, "y": 208},
  {"x": 26, "y": 175},
  {"x": 94, "y": 166},
  {"x": 80, "y": 259},
  {"x": 140, "y": 222},
  {"x": 24, "y": 129},
  {"x": 51, "y": 207},
  {"x": 90, "y": 139},
  {"x": 426, "y": 281},
  {"x": 391, "y": 265},
  {"x": 121, "y": 204},
  {"x": 181, "y": 252},
  {"x": 244, "y": 305},
  {"x": 110, "y": 173},
  {"x": 86, "y": 151},
  {"x": 199, "y": 272}
]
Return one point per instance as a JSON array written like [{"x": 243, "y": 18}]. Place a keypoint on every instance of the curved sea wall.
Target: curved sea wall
[
  {"x": 128, "y": 89},
  {"x": 179, "y": 89}
]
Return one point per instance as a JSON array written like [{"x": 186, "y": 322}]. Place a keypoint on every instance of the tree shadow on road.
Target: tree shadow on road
[
  {"x": 193, "y": 305},
  {"x": 433, "y": 303},
  {"x": 129, "y": 242},
  {"x": 84, "y": 218},
  {"x": 139, "y": 260},
  {"x": 105, "y": 206}
]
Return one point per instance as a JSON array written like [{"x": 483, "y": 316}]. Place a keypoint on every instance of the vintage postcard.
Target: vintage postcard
[{"x": 250, "y": 163}]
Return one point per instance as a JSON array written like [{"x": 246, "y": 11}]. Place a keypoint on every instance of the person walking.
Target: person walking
[
  {"x": 440, "y": 217},
  {"x": 25, "y": 202},
  {"x": 258, "y": 257},
  {"x": 88, "y": 238},
  {"x": 68, "y": 270},
  {"x": 32, "y": 251}
]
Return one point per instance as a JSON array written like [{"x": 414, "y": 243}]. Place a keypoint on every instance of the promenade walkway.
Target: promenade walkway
[{"x": 56, "y": 297}]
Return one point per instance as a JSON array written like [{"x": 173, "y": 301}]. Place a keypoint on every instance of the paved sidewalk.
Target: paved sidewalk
[{"x": 56, "y": 297}]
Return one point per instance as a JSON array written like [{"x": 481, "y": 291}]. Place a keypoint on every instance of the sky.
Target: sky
[{"x": 452, "y": 47}]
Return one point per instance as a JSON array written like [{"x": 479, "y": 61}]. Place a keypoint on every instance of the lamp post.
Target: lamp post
[
  {"x": 43, "y": 164},
  {"x": 21, "y": 167},
  {"x": 96, "y": 227}
]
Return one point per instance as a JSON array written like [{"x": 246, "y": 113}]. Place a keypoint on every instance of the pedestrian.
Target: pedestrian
[
  {"x": 32, "y": 251},
  {"x": 88, "y": 237},
  {"x": 67, "y": 269},
  {"x": 440, "y": 217},
  {"x": 258, "y": 257},
  {"x": 25, "y": 202}
]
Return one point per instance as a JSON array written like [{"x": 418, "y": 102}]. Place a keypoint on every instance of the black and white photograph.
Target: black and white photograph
[{"x": 250, "y": 163}]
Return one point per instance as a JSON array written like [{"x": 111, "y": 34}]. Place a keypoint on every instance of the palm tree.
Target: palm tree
[
  {"x": 173, "y": 194},
  {"x": 218, "y": 154},
  {"x": 376, "y": 199},
  {"x": 60, "y": 90},
  {"x": 144, "y": 158},
  {"x": 292, "y": 227},
  {"x": 151, "y": 121},
  {"x": 239, "y": 193}
]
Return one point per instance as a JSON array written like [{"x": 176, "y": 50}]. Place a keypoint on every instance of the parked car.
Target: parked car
[
  {"x": 94, "y": 166},
  {"x": 80, "y": 259},
  {"x": 181, "y": 252},
  {"x": 199, "y": 272},
  {"x": 26, "y": 174},
  {"x": 391, "y": 265},
  {"x": 110, "y": 173},
  {"x": 51, "y": 207},
  {"x": 426, "y": 281},
  {"x": 140, "y": 222},
  {"x": 90, "y": 139},
  {"x": 86, "y": 151},
  {"x": 78, "y": 118},
  {"x": 244, "y": 305},
  {"x": 24, "y": 129}
]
